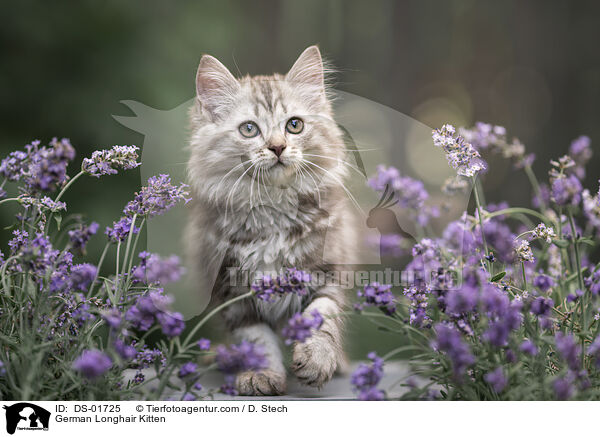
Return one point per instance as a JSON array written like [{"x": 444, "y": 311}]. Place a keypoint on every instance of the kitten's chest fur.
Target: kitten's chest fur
[{"x": 283, "y": 230}]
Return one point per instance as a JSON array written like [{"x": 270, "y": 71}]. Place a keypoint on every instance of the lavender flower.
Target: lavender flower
[
  {"x": 155, "y": 270},
  {"x": 80, "y": 236},
  {"x": 239, "y": 358},
  {"x": 292, "y": 281},
  {"x": 300, "y": 327},
  {"x": 528, "y": 347},
  {"x": 82, "y": 276},
  {"x": 2, "y": 369},
  {"x": 566, "y": 191},
  {"x": 449, "y": 341},
  {"x": 388, "y": 244},
  {"x": 157, "y": 197},
  {"x": 105, "y": 162},
  {"x": 14, "y": 166},
  {"x": 113, "y": 318},
  {"x": 203, "y": 344},
  {"x": 188, "y": 370},
  {"x": 565, "y": 344},
  {"x": 543, "y": 198},
  {"x": 581, "y": 152},
  {"x": 592, "y": 282},
  {"x": 379, "y": 296},
  {"x": 497, "y": 379},
  {"x": 484, "y": 135},
  {"x": 41, "y": 168},
  {"x": 594, "y": 351},
  {"x": 542, "y": 306},
  {"x": 366, "y": 377},
  {"x": 591, "y": 207},
  {"x": 155, "y": 306},
  {"x": 125, "y": 351},
  {"x": 418, "y": 295},
  {"x": 502, "y": 324},
  {"x": 172, "y": 324},
  {"x": 409, "y": 192},
  {"x": 543, "y": 232},
  {"x": 462, "y": 300},
  {"x": 544, "y": 282},
  {"x": 523, "y": 251},
  {"x": 120, "y": 229},
  {"x": 563, "y": 389},
  {"x": 92, "y": 363},
  {"x": 42, "y": 204},
  {"x": 461, "y": 156}
]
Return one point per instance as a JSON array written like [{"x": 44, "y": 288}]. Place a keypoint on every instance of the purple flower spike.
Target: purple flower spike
[
  {"x": 567, "y": 348},
  {"x": 566, "y": 191},
  {"x": 92, "y": 363},
  {"x": 292, "y": 281},
  {"x": 366, "y": 377},
  {"x": 380, "y": 296},
  {"x": 449, "y": 341},
  {"x": 528, "y": 347},
  {"x": 203, "y": 344},
  {"x": 497, "y": 379},
  {"x": 300, "y": 327},
  {"x": 105, "y": 162}
]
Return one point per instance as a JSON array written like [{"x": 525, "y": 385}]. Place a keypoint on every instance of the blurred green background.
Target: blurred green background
[{"x": 532, "y": 66}]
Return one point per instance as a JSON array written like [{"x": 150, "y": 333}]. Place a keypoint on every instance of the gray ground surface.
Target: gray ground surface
[{"x": 337, "y": 389}]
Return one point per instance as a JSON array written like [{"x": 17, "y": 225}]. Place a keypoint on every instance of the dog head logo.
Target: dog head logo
[{"x": 26, "y": 416}]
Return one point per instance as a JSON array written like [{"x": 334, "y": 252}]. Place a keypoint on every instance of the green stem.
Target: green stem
[
  {"x": 10, "y": 199},
  {"x": 128, "y": 246},
  {"x": 480, "y": 216},
  {"x": 201, "y": 323},
  {"x": 135, "y": 243},
  {"x": 524, "y": 276},
  {"x": 536, "y": 186},
  {"x": 578, "y": 267},
  {"x": 66, "y": 187},
  {"x": 528, "y": 211},
  {"x": 98, "y": 267}
]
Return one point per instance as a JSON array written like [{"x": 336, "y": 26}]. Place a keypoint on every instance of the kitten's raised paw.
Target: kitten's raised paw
[
  {"x": 314, "y": 361},
  {"x": 261, "y": 383}
]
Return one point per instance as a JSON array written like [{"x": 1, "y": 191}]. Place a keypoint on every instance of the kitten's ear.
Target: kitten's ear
[
  {"x": 216, "y": 87},
  {"x": 308, "y": 73}
]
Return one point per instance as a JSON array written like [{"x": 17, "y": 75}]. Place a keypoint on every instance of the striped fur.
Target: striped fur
[{"x": 255, "y": 214}]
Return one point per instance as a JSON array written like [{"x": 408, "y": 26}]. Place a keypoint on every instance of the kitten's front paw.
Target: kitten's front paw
[
  {"x": 315, "y": 361},
  {"x": 261, "y": 383}
]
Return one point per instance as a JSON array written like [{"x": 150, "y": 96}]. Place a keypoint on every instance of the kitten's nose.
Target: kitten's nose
[{"x": 277, "y": 150}]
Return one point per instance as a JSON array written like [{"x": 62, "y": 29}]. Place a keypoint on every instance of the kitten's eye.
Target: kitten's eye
[
  {"x": 249, "y": 129},
  {"x": 294, "y": 125}
]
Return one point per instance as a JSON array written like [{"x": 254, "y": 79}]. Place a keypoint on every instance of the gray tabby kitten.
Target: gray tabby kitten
[{"x": 267, "y": 179}]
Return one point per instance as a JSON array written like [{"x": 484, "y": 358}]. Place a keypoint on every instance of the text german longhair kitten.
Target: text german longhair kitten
[{"x": 267, "y": 178}]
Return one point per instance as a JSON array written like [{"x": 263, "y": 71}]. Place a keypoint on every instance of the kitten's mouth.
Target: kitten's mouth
[{"x": 278, "y": 163}]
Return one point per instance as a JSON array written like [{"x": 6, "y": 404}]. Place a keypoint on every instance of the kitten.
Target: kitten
[{"x": 267, "y": 180}]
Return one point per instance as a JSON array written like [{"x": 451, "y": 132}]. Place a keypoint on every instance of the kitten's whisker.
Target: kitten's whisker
[
  {"x": 263, "y": 171},
  {"x": 252, "y": 211},
  {"x": 232, "y": 190},
  {"x": 241, "y": 164},
  {"x": 308, "y": 172},
  {"x": 341, "y": 161},
  {"x": 352, "y": 198}
]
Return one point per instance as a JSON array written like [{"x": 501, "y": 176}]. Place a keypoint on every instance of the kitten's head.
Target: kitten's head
[{"x": 277, "y": 129}]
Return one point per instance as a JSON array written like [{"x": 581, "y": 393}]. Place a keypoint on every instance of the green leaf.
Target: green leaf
[
  {"x": 561, "y": 243},
  {"x": 498, "y": 276},
  {"x": 58, "y": 219},
  {"x": 587, "y": 241}
]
